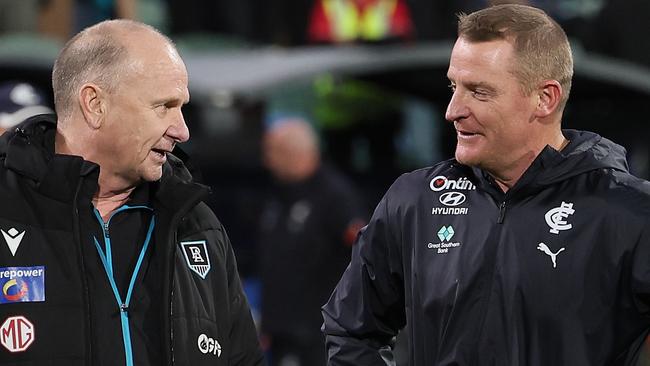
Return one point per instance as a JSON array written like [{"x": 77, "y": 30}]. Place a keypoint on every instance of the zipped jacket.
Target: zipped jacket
[
  {"x": 44, "y": 307},
  {"x": 554, "y": 272}
]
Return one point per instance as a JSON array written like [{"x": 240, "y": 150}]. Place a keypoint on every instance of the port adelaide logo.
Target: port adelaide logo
[{"x": 450, "y": 200}]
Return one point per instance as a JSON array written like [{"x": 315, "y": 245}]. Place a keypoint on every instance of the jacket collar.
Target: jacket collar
[{"x": 585, "y": 152}]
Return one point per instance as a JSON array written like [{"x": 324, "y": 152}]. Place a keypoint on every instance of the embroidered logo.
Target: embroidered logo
[
  {"x": 440, "y": 183},
  {"x": 555, "y": 218},
  {"x": 13, "y": 239},
  {"x": 446, "y": 233},
  {"x": 196, "y": 255},
  {"x": 22, "y": 284},
  {"x": 209, "y": 345},
  {"x": 544, "y": 248},
  {"x": 16, "y": 333},
  {"x": 452, "y": 198}
]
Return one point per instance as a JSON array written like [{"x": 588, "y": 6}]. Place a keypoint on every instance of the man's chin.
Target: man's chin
[
  {"x": 152, "y": 175},
  {"x": 466, "y": 158}
]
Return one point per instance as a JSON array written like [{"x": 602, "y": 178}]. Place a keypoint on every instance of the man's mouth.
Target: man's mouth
[
  {"x": 464, "y": 133},
  {"x": 160, "y": 152}
]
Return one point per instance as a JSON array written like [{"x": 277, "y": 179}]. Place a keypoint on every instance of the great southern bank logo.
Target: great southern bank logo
[
  {"x": 445, "y": 234},
  {"x": 440, "y": 183}
]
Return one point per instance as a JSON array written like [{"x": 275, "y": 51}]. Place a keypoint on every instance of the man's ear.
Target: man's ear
[
  {"x": 549, "y": 96},
  {"x": 92, "y": 100}
]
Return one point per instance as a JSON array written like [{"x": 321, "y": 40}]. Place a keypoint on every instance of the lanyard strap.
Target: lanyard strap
[{"x": 107, "y": 262}]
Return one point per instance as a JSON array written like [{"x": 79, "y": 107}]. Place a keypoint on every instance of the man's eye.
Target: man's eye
[
  {"x": 162, "y": 108},
  {"x": 452, "y": 87},
  {"x": 480, "y": 94}
]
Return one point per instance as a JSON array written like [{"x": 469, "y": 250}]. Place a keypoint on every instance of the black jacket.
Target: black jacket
[
  {"x": 204, "y": 321},
  {"x": 303, "y": 251},
  {"x": 554, "y": 272}
]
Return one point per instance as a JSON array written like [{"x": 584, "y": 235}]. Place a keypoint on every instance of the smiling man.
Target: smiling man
[
  {"x": 110, "y": 256},
  {"x": 544, "y": 258}
]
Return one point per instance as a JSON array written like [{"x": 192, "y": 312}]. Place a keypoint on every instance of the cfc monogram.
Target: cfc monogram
[{"x": 556, "y": 217}]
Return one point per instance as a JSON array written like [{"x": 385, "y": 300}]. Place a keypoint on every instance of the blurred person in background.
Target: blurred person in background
[
  {"x": 531, "y": 247},
  {"x": 19, "y": 101},
  {"x": 109, "y": 254},
  {"x": 308, "y": 226}
]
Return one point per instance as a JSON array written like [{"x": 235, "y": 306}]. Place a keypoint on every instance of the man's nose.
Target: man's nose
[
  {"x": 457, "y": 108},
  {"x": 178, "y": 131}
]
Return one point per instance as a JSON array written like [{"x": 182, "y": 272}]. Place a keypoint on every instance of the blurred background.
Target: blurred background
[{"x": 368, "y": 76}]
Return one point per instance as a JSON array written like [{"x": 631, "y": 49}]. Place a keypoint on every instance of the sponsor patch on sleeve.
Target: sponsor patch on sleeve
[{"x": 22, "y": 284}]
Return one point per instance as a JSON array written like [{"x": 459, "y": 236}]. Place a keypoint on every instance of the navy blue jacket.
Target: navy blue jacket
[{"x": 554, "y": 272}]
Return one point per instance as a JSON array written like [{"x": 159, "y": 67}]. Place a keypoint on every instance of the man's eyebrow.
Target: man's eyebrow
[
  {"x": 479, "y": 85},
  {"x": 170, "y": 99}
]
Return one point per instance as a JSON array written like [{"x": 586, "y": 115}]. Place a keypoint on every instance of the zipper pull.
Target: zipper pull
[
  {"x": 106, "y": 230},
  {"x": 124, "y": 308},
  {"x": 502, "y": 212}
]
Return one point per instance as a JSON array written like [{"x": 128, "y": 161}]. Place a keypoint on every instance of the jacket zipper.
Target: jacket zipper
[
  {"x": 84, "y": 279},
  {"x": 500, "y": 219},
  {"x": 173, "y": 235},
  {"x": 451, "y": 313},
  {"x": 502, "y": 212},
  {"x": 171, "y": 302}
]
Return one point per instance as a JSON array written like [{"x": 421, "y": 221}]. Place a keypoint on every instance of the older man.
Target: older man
[
  {"x": 531, "y": 247},
  {"x": 110, "y": 257}
]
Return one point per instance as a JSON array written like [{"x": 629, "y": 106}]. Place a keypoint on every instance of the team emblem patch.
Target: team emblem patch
[{"x": 196, "y": 255}]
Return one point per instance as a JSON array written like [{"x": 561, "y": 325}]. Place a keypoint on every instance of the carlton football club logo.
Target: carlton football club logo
[
  {"x": 196, "y": 255},
  {"x": 556, "y": 217},
  {"x": 17, "y": 333}
]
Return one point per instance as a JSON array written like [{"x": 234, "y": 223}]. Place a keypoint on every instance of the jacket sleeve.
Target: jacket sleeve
[
  {"x": 366, "y": 310},
  {"x": 245, "y": 349}
]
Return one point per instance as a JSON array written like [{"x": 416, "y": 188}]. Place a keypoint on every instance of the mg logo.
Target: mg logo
[
  {"x": 17, "y": 333},
  {"x": 452, "y": 198}
]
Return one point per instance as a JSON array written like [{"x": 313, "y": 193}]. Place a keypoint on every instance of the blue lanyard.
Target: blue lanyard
[{"x": 107, "y": 262}]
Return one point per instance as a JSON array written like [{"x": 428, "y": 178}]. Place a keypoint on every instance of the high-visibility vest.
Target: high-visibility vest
[{"x": 349, "y": 20}]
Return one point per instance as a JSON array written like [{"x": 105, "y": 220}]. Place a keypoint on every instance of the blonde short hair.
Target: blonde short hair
[{"x": 541, "y": 47}]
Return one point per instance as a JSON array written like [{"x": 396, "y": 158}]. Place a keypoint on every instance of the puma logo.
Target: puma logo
[{"x": 546, "y": 250}]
